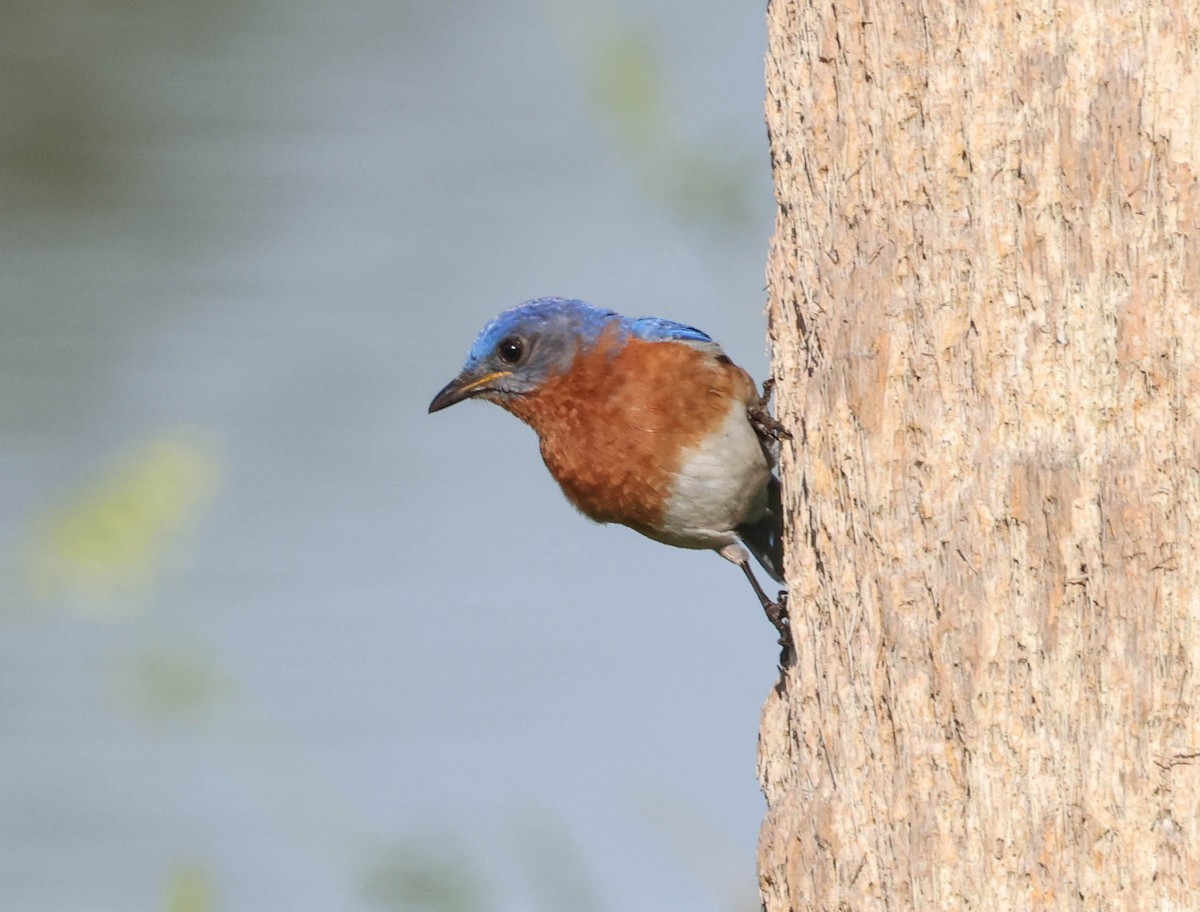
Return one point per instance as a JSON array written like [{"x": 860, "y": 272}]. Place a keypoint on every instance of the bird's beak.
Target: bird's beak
[{"x": 464, "y": 387}]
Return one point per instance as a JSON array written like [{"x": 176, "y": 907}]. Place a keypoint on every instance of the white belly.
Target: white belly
[{"x": 722, "y": 483}]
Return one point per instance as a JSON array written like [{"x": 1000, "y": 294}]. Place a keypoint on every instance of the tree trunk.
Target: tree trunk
[{"x": 983, "y": 299}]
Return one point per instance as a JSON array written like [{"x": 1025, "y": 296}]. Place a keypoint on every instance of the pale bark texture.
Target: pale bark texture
[{"x": 983, "y": 303}]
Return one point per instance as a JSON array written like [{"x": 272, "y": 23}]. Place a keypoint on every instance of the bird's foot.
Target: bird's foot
[
  {"x": 766, "y": 424},
  {"x": 776, "y": 611},
  {"x": 777, "y": 614}
]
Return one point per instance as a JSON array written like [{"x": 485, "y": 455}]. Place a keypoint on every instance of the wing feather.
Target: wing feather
[{"x": 656, "y": 329}]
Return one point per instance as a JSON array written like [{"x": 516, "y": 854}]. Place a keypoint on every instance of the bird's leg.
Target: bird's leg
[
  {"x": 766, "y": 424},
  {"x": 776, "y": 612}
]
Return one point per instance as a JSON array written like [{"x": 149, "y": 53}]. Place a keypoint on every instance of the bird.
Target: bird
[{"x": 643, "y": 422}]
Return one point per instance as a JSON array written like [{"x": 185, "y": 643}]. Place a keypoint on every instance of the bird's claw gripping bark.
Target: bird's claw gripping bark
[
  {"x": 766, "y": 424},
  {"x": 777, "y": 614}
]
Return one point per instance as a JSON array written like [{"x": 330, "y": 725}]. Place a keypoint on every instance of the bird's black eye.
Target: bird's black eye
[{"x": 510, "y": 350}]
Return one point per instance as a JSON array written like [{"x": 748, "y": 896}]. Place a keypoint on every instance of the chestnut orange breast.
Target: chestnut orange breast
[{"x": 614, "y": 428}]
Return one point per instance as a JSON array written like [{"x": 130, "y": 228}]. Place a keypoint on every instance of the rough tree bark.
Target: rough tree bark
[{"x": 983, "y": 302}]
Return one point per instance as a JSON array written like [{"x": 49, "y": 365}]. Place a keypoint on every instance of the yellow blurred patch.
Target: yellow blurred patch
[
  {"x": 189, "y": 889},
  {"x": 108, "y": 543}
]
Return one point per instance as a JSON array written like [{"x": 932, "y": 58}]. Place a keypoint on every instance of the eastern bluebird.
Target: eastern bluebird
[{"x": 643, "y": 422}]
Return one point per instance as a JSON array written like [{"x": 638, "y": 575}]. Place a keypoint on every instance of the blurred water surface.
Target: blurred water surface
[{"x": 271, "y": 637}]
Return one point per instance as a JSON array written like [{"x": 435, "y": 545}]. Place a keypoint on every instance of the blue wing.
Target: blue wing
[{"x": 656, "y": 329}]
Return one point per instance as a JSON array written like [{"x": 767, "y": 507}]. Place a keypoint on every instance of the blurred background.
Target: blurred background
[{"x": 272, "y": 637}]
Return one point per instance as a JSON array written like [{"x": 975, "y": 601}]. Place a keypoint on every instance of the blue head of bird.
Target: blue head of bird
[{"x": 522, "y": 348}]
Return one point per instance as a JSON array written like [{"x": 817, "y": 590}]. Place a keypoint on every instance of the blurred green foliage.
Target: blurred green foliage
[
  {"x": 71, "y": 100},
  {"x": 701, "y": 184},
  {"x": 555, "y": 871},
  {"x": 419, "y": 877},
  {"x": 102, "y": 548},
  {"x": 626, "y": 81},
  {"x": 442, "y": 876},
  {"x": 189, "y": 889},
  {"x": 173, "y": 683}
]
